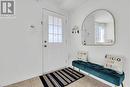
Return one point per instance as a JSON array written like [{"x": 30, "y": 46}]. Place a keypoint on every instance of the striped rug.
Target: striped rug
[{"x": 60, "y": 78}]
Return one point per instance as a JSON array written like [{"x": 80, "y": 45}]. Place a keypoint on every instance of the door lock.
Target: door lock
[{"x": 45, "y": 45}]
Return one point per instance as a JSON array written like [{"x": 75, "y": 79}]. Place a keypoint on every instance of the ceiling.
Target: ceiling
[{"x": 68, "y": 4}]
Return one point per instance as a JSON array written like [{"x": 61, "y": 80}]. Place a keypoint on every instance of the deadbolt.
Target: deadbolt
[
  {"x": 45, "y": 45},
  {"x": 45, "y": 41}
]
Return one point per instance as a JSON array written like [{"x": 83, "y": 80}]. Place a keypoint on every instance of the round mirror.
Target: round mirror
[{"x": 98, "y": 28}]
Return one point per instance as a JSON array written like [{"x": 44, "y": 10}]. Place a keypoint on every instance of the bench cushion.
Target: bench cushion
[{"x": 99, "y": 71}]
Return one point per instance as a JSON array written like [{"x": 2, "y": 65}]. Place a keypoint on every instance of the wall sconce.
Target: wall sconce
[{"x": 75, "y": 30}]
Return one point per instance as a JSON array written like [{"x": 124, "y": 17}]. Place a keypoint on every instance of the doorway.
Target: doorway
[{"x": 54, "y": 41}]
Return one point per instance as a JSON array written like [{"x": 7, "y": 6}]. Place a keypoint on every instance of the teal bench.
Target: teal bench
[{"x": 99, "y": 71}]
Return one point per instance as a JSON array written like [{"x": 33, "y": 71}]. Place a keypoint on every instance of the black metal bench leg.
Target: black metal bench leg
[
  {"x": 122, "y": 85},
  {"x": 79, "y": 70},
  {"x": 73, "y": 67}
]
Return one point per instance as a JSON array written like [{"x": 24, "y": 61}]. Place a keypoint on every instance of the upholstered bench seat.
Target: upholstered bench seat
[{"x": 99, "y": 71}]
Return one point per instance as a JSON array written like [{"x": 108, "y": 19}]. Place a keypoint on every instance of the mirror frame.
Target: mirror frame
[{"x": 114, "y": 29}]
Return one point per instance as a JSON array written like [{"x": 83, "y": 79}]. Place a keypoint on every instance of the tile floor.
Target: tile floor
[{"x": 83, "y": 82}]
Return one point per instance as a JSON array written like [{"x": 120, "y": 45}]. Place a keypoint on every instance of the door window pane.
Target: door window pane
[
  {"x": 55, "y": 21},
  {"x": 59, "y": 30},
  {"x": 51, "y": 29},
  {"x": 55, "y": 30},
  {"x": 50, "y": 20},
  {"x": 50, "y": 38}
]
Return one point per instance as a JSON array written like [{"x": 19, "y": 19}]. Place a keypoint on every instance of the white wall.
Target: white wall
[
  {"x": 120, "y": 9},
  {"x": 20, "y": 47}
]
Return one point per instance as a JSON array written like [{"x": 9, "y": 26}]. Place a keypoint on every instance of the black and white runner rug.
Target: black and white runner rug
[{"x": 60, "y": 78}]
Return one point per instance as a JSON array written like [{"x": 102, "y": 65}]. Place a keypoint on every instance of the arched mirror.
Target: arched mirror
[{"x": 98, "y": 29}]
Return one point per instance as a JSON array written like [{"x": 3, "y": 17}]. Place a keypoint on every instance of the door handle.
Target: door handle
[{"x": 45, "y": 45}]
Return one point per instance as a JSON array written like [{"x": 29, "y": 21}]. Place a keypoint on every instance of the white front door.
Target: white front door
[{"x": 54, "y": 41}]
